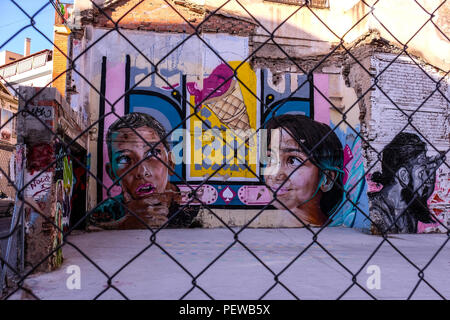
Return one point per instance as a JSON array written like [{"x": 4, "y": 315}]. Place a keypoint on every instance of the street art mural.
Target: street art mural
[
  {"x": 437, "y": 203},
  {"x": 407, "y": 181},
  {"x": 140, "y": 162},
  {"x": 64, "y": 180},
  {"x": 355, "y": 185},
  {"x": 38, "y": 179},
  {"x": 154, "y": 190},
  {"x": 47, "y": 214},
  {"x": 57, "y": 256},
  {"x": 225, "y": 110},
  {"x": 207, "y": 114},
  {"x": 47, "y": 175},
  {"x": 305, "y": 170}
]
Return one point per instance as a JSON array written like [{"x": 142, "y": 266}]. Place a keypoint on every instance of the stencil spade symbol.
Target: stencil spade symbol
[{"x": 227, "y": 195}]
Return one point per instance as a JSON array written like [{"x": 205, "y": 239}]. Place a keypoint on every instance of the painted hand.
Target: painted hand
[{"x": 152, "y": 211}]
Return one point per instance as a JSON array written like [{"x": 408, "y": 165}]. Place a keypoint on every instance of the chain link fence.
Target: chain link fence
[{"x": 240, "y": 132}]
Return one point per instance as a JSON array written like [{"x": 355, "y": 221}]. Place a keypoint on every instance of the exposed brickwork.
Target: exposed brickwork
[
  {"x": 218, "y": 23},
  {"x": 312, "y": 3},
  {"x": 410, "y": 90},
  {"x": 157, "y": 15},
  {"x": 405, "y": 89},
  {"x": 60, "y": 62}
]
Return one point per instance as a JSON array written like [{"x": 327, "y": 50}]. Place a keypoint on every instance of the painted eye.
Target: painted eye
[
  {"x": 422, "y": 174},
  {"x": 156, "y": 152},
  {"x": 294, "y": 161},
  {"x": 149, "y": 154},
  {"x": 123, "y": 160}
]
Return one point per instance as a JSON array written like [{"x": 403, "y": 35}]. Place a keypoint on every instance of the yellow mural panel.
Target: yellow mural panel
[{"x": 223, "y": 139}]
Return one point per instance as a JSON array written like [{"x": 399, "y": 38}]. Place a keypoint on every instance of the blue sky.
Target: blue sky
[{"x": 12, "y": 19}]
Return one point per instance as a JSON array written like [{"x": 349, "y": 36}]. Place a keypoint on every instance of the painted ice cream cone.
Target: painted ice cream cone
[
  {"x": 230, "y": 108},
  {"x": 223, "y": 96}
]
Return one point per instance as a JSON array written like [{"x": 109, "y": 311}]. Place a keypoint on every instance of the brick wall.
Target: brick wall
[
  {"x": 404, "y": 84},
  {"x": 59, "y": 60},
  {"x": 413, "y": 90},
  {"x": 180, "y": 17}
]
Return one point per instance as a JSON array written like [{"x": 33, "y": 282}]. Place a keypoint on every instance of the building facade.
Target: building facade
[
  {"x": 34, "y": 70},
  {"x": 332, "y": 62},
  {"x": 8, "y": 140}
]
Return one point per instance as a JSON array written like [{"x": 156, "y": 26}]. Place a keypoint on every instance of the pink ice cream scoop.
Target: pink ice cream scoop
[{"x": 215, "y": 85}]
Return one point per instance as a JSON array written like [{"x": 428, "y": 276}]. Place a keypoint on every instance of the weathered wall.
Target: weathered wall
[
  {"x": 321, "y": 29},
  {"x": 48, "y": 174},
  {"x": 413, "y": 97},
  {"x": 398, "y": 94},
  {"x": 191, "y": 70}
]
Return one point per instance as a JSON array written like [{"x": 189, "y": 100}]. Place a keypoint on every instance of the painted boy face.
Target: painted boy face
[
  {"x": 295, "y": 189},
  {"x": 150, "y": 176}
]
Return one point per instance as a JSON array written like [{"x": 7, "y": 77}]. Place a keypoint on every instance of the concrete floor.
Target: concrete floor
[
  {"x": 238, "y": 274},
  {"x": 5, "y": 224}
]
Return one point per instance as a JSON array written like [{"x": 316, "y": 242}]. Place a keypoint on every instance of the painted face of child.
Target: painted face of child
[
  {"x": 291, "y": 173},
  {"x": 150, "y": 176}
]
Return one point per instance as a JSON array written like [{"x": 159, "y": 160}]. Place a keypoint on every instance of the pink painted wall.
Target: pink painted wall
[
  {"x": 115, "y": 88},
  {"x": 321, "y": 105}
]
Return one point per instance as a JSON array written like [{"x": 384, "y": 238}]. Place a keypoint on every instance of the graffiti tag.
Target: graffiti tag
[{"x": 44, "y": 112}]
